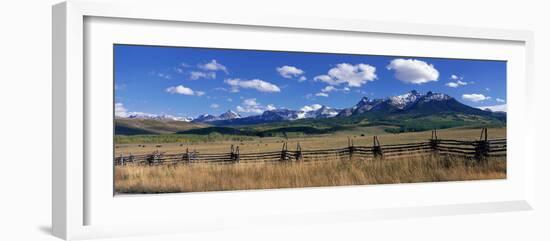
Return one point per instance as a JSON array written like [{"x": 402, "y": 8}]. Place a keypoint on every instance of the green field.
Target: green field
[
  {"x": 155, "y": 131},
  {"x": 177, "y": 137}
]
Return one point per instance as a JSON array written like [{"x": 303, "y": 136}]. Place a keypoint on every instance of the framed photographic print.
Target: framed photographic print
[
  {"x": 191, "y": 119},
  {"x": 184, "y": 114}
]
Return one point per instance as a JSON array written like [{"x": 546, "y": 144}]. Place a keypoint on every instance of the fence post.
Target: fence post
[
  {"x": 152, "y": 159},
  {"x": 376, "y": 149},
  {"x": 351, "y": 148},
  {"x": 131, "y": 158},
  {"x": 298, "y": 154},
  {"x": 482, "y": 147},
  {"x": 187, "y": 156},
  {"x": 284, "y": 152},
  {"x": 232, "y": 154},
  {"x": 434, "y": 142},
  {"x": 121, "y": 160},
  {"x": 157, "y": 157},
  {"x": 236, "y": 155}
]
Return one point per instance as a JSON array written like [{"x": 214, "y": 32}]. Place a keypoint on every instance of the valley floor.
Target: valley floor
[{"x": 361, "y": 136}]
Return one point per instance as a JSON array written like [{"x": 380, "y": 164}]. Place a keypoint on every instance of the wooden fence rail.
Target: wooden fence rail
[{"x": 479, "y": 150}]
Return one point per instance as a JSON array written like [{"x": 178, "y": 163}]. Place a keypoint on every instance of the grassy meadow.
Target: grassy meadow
[
  {"x": 177, "y": 143},
  {"x": 332, "y": 172}
]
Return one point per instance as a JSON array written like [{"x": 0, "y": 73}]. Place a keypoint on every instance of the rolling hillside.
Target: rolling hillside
[{"x": 134, "y": 126}]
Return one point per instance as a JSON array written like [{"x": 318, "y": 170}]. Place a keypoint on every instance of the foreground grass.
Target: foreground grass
[{"x": 205, "y": 177}]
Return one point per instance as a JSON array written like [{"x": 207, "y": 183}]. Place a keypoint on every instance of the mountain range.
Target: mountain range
[
  {"x": 313, "y": 111},
  {"x": 412, "y": 103},
  {"x": 145, "y": 116},
  {"x": 268, "y": 116},
  {"x": 408, "y": 112}
]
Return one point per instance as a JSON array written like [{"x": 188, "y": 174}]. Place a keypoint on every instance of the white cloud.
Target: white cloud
[
  {"x": 452, "y": 84},
  {"x": 475, "y": 97},
  {"x": 313, "y": 107},
  {"x": 323, "y": 78},
  {"x": 456, "y": 84},
  {"x": 195, "y": 75},
  {"x": 413, "y": 71},
  {"x": 270, "y": 107},
  {"x": 494, "y": 107},
  {"x": 250, "y": 102},
  {"x": 500, "y": 100},
  {"x": 249, "y": 110},
  {"x": 458, "y": 81},
  {"x": 214, "y": 106},
  {"x": 328, "y": 89},
  {"x": 220, "y": 89},
  {"x": 182, "y": 90},
  {"x": 254, "y": 107},
  {"x": 120, "y": 110},
  {"x": 180, "y": 68},
  {"x": 160, "y": 74},
  {"x": 165, "y": 76},
  {"x": 256, "y": 84},
  {"x": 213, "y": 65},
  {"x": 289, "y": 71},
  {"x": 303, "y": 78},
  {"x": 353, "y": 75},
  {"x": 331, "y": 88},
  {"x": 321, "y": 94},
  {"x": 229, "y": 100}
]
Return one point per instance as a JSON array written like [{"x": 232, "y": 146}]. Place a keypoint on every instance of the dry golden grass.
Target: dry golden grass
[{"x": 207, "y": 177}]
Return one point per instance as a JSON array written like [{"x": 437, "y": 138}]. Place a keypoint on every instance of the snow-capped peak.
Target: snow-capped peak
[
  {"x": 436, "y": 96},
  {"x": 326, "y": 112},
  {"x": 230, "y": 114},
  {"x": 316, "y": 111},
  {"x": 402, "y": 101},
  {"x": 142, "y": 115},
  {"x": 309, "y": 108},
  {"x": 175, "y": 118},
  {"x": 204, "y": 116},
  {"x": 365, "y": 100}
]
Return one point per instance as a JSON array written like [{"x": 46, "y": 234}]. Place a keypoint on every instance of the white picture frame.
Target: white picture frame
[{"x": 73, "y": 191}]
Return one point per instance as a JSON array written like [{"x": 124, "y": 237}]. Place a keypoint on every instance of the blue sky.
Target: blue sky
[{"x": 183, "y": 81}]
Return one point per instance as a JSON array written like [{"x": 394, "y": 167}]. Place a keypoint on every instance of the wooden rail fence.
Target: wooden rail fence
[{"x": 479, "y": 150}]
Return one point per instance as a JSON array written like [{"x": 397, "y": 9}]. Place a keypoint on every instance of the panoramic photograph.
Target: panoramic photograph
[{"x": 190, "y": 119}]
